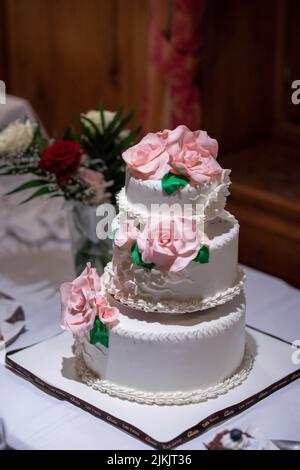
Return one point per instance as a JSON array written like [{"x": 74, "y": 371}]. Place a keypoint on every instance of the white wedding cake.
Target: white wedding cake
[{"x": 166, "y": 322}]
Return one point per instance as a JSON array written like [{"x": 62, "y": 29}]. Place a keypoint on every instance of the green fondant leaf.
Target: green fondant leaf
[
  {"x": 203, "y": 255},
  {"x": 135, "y": 254},
  {"x": 99, "y": 333},
  {"x": 171, "y": 183}
]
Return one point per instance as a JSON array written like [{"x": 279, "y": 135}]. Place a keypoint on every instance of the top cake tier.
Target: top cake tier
[{"x": 175, "y": 168}]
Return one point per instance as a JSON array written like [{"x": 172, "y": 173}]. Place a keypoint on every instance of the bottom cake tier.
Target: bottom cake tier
[{"x": 156, "y": 358}]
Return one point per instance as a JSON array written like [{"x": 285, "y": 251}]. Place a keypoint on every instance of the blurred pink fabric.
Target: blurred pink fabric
[{"x": 178, "y": 57}]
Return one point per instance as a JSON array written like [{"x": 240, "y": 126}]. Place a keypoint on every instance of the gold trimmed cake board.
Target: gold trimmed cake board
[{"x": 162, "y": 427}]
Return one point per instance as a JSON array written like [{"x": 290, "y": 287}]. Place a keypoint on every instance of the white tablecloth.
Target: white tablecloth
[{"x": 34, "y": 420}]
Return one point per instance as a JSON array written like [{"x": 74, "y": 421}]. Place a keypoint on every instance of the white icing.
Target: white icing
[
  {"x": 196, "y": 287},
  {"x": 164, "y": 354},
  {"x": 205, "y": 201},
  {"x": 161, "y": 398}
]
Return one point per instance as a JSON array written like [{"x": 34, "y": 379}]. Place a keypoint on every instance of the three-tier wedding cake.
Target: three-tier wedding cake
[{"x": 166, "y": 322}]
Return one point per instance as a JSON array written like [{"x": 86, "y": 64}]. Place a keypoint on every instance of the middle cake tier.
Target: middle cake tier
[{"x": 196, "y": 287}]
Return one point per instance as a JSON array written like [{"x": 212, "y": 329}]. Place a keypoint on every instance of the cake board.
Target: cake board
[{"x": 161, "y": 427}]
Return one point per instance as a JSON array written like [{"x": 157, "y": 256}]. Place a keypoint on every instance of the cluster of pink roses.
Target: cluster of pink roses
[
  {"x": 170, "y": 244},
  {"x": 81, "y": 303},
  {"x": 181, "y": 152}
]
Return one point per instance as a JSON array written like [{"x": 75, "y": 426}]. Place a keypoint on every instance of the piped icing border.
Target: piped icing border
[
  {"x": 215, "y": 202},
  {"x": 169, "y": 306},
  {"x": 161, "y": 398}
]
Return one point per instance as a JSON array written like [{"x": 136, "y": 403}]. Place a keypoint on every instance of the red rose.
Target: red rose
[{"x": 61, "y": 158}]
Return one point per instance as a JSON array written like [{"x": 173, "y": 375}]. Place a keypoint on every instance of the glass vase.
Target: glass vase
[{"x": 86, "y": 246}]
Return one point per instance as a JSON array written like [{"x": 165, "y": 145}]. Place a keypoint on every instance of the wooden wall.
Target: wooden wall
[
  {"x": 64, "y": 56},
  {"x": 3, "y": 46},
  {"x": 238, "y": 70}
]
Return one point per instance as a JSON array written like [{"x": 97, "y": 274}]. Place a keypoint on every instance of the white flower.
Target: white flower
[
  {"x": 94, "y": 116},
  {"x": 16, "y": 137}
]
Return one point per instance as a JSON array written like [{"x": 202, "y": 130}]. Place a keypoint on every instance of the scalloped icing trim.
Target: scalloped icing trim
[
  {"x": 161, "y": 398},
  {"x": 215, "y": 202},
  {"x": 169, "y": 306}
]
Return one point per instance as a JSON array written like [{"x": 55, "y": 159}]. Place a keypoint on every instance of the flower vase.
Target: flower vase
[{"x": 86, "y": 246}]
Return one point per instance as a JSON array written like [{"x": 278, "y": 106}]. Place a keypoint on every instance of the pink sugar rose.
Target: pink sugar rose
[
  {"x": 192, "y": 154},
  {"x": 126, "y": 234},
  {"x": 177, "y": 139},
  {"x": 148, "y": 159},
  {"x": 81, "y": 302},
  {"x": 108, "y": 314},
  {"x": 171, "y": 244},
  {"x": 92, "y": 277},
  {"x": 100, "y": 302},
  {"x": 181, "y": 151},
  {"x": 205, "y": 143},
  {"x": 77, "y": 301},
  {"x": 96, "y": 181},
  {"x": 105, "y": 312},
  {"x": 197, "y": 167}
]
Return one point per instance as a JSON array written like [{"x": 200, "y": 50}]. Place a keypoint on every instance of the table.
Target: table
[
  {"x": 31, "y": 419},
  {"x": 34, "y": 420}
]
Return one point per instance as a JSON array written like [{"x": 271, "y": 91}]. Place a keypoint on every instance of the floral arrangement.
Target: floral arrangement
[
  {"x": 85, "y": 310},
  {"x": 177, "y": 158},
  {"x": 86, "y": 167},
  {"x": 164, "y": 244}
]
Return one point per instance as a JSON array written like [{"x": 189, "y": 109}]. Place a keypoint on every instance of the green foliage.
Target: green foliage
[
  {"x": 69, "y": 134},
  {"x": 106, "y": 144},
  {"x": 39, "y": 141},
  {"x": 40, "y": 192},
  {"x": 103, "y": 145},
  {"x": 28, "y": 185}
]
